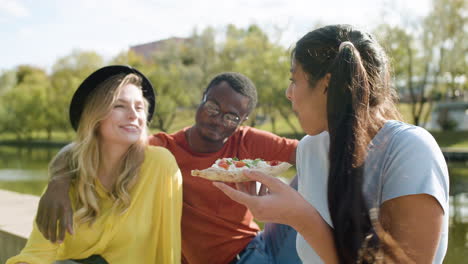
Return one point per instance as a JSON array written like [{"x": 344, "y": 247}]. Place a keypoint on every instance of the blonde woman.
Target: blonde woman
[{"x": 126, "y": 195}]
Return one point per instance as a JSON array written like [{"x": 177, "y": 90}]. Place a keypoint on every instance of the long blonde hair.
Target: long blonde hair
[{"x": 84, "y": 156}]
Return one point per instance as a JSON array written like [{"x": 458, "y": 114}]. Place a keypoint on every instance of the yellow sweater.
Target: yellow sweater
[{"x": 148, "y": 232}]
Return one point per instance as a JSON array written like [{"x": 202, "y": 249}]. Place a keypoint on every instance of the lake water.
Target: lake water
[{"x": 25, "y": 170}]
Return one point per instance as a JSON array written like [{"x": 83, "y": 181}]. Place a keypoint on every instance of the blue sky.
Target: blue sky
[{"x": 38, "y": 32}]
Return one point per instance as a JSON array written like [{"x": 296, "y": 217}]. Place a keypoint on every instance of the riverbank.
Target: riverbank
[
  {"x": 455, "y": 154},
  {"x": 451, "y": 153},
  {"x": 35, "y": 143},
  {"x": 454, "y": 139}
]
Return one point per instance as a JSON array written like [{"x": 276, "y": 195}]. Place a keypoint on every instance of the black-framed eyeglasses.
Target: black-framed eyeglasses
[{"x": 212, "y": 109}]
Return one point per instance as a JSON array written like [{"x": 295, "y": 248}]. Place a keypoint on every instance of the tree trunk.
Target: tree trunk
[
  {"x": 409, "y": 83},
  {"x": 422, "y": 97},
  {"x": 273, "y": 124},
  {"x": 288, "y": 121},
  {"x": 49, "y": 134}
]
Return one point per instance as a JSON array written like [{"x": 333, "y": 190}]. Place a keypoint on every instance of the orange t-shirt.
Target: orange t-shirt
[{"x": 214, "y": 227}]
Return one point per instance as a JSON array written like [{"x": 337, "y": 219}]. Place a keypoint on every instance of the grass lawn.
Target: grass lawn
[
  {"x": 453, "y": 139},
  {"x": 405, "y": 110},
  {"x": 29, "y": 187}
]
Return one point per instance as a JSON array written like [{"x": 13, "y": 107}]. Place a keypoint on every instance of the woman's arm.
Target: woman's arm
[
  {"x": 415, "y": 222},
  {"x": 282, "y": 204},
  {"x": 415, "y": 193}
]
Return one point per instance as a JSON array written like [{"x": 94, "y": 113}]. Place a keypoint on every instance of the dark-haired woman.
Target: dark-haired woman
[{"x": 372, "y": 189}]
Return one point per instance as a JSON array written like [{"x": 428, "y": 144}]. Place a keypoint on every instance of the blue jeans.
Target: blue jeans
[{"x": 276, "y": 244}]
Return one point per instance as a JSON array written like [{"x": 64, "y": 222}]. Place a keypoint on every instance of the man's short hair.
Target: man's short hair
[{"x": 240, "y": 83}]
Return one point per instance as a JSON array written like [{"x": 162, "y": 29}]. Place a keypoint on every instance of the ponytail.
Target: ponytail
[{"x": 348, "y": 117}]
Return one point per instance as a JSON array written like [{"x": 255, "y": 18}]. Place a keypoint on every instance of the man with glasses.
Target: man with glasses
[{"x": 215, "y": 229}]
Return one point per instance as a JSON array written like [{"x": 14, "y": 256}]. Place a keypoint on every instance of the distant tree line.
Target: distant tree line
[{"x": 429, "y": 63}]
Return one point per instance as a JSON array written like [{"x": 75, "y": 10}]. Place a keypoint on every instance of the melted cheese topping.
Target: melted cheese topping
[{"x": 254, "y": 164}]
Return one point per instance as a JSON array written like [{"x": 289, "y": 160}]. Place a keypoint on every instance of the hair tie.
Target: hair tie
[{"x": 344, "y": 43}]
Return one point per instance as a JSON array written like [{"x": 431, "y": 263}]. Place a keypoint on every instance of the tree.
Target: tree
[
  {"x": 201, "y": 56},
  {"x": 23, "y": 104},
  {"x": 408, "y": 65},
  {"x": 7, "y": 81},
  {"x": 67, "y": 74},
  {"x": 176, "y": 81},
  {"x": 446, "y": 26},
  {"x": 251, "y": 52},
  {"x": 132, "y": 59},
  {"x": 444, "y": 35},
  {"x": 430, "y": 56}
]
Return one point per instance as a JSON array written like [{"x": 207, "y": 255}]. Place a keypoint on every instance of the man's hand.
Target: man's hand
[{"x": 55, "y": 206}]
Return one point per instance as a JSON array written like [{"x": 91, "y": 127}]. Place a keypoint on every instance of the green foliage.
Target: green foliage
[
  {"x": 452, "y": 139},
  {"x": 67, "y": 74},
  {"x": 428, "y": 60},
  {"x": 429, "y": 57},
  {"x": 251, "y": 52},
  {"x": 29, "y": 187},
  {"x": 7, "y": 81},
  {"x": 20, "y": 104},
  {"x": 445, "y": 121},
  {"x": 130, "y": 58},
  {"x": 446, "y": 33},
  {"x": 34, "y": 101}
]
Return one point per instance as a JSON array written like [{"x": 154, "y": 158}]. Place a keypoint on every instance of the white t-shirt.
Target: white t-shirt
[{"x": 402, "y": 160}]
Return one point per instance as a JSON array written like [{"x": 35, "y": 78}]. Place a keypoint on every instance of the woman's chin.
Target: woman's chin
[{"x": 313, "y": 131}]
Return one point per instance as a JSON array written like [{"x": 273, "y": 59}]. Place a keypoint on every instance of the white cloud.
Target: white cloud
[
  {"x": 13, "y": 8},
  {"x": 26, "y": 34}
]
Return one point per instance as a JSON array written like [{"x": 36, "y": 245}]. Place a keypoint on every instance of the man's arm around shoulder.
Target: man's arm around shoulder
[{"x": 54, "y": 205}]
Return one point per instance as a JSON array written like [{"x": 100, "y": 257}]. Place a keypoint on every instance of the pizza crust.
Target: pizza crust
[{"x": 219, "y": 174}]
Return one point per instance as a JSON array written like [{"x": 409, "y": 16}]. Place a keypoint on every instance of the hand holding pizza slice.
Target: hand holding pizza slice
[{"x": 231, "y": 169}]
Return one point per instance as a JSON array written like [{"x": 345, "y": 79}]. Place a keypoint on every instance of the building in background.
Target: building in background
[{"x": 149, "y": 50}]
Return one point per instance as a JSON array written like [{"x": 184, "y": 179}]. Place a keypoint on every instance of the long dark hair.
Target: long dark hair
[{"x": 358, "y": 93}]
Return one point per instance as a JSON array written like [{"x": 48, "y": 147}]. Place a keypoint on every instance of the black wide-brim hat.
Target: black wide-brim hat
[{"x": 99, "y": 76}]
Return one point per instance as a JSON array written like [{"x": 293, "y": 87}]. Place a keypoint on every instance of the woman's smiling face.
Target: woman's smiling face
[{"x": 126, "y": 122}]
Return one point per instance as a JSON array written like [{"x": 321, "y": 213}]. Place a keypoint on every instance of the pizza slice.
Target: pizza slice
[{"x": 231, "y": 169}]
